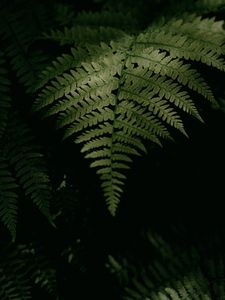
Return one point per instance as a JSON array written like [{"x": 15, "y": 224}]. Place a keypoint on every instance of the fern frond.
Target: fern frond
[
  {"x": 5, "y": 102},
  {"x": 18, "y": 31},
  {"x": 176, "y": 273},
  {"x": 14, "y": 290},
  {"x": 8, "y": 198},
  {"x": 112, "y": 97},
  {"x": 13, "y": 278},
  {"x": 28, "y": 164},
  {"x": 22, "y": 267},
  {"x": 39, "y": 269}
]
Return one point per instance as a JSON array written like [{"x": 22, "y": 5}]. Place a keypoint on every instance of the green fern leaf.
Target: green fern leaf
[
  {"x": 112, "y": 97},
  {"x": 22, "y": 267},
  {"x": 25, "y": 159},
  {"x": 40, "y": 270}
]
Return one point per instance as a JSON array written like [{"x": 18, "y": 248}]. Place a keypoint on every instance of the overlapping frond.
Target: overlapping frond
[
  {"x": 93, "y": 27},
  {"x": 112, "y": 97},
  {"x": 84, "y": 34}
]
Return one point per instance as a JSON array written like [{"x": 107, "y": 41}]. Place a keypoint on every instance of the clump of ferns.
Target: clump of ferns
[{"x": 116, "y": 92}]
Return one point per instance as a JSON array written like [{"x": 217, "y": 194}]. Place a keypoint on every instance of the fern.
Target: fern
[
  {"x": 90, "y": 27},
  {"x": 22, "y": 267},
  {"x": 122, "y": 87},
  {"x": 40, "y": 270},
  {"x": 29, "y": 165},
  {"x": 22, "y": 165},
  {"x": 18, "y": 40},
  {"x": 175, "y": 274},
  {"x": 112, "y": 97}
]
